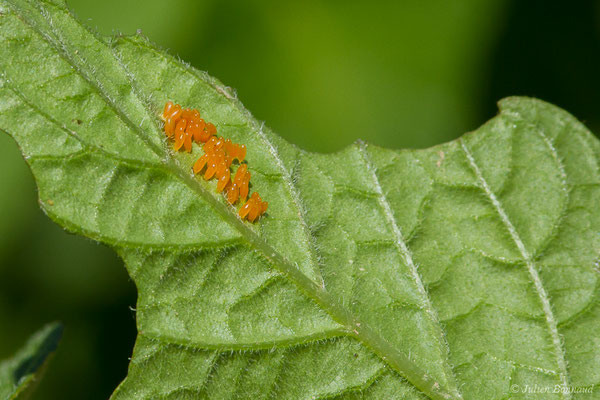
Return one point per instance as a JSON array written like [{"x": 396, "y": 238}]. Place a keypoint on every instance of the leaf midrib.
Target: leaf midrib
[{"x": 361, "y": 331}]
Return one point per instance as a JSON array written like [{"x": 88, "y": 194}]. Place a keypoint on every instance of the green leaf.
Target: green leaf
[
  {"x": 20, "y": 374},
  {"x": 468, "y": 270}
]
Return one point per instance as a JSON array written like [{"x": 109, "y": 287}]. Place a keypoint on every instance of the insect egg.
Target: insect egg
[{"x": 180, "y": 133}]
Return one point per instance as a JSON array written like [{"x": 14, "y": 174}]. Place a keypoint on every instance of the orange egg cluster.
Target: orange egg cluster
[{"x": 185, "y": 126}]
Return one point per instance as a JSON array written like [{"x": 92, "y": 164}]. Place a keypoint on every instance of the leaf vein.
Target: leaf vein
[
  {"x": 531, "y": 268},
  {"x": 407, "y": 257}
]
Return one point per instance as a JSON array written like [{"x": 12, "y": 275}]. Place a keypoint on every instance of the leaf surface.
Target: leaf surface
[
  {"x": 20, "y": 374},
  {"x": 458, "y": 271}
]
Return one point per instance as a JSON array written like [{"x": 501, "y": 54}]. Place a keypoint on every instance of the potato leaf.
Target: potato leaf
[{"x": 468, "y": 270}]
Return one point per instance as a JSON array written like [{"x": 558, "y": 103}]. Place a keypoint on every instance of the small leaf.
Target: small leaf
[
  {"x": 20, "y": 374},
  {"x": 468, "y": 270}
]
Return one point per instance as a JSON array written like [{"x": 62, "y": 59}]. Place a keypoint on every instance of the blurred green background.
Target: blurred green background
[{"x": 320, "y": 73}]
